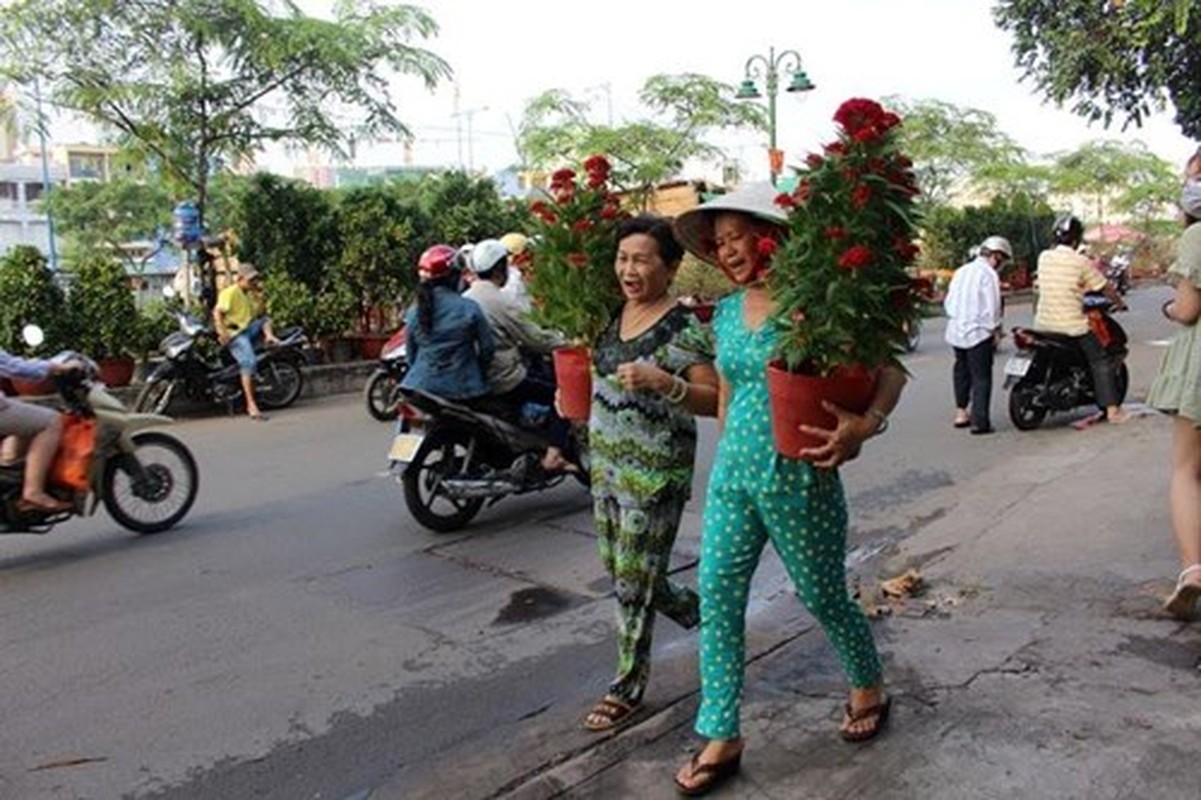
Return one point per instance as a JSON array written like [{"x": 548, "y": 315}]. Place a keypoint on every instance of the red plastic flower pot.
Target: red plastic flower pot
[
  {"x": 573, "y": 374},
  {"x": 796, "y": 399}
]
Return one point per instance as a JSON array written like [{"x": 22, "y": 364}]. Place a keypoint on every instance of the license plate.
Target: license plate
[
  {"x": 404, "y": 447},
  {"x": 1018, "y": 367}
]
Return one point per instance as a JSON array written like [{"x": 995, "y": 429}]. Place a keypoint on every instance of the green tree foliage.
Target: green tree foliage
[
  {"x": 463, "y": 208},
  {"x": 954, "y": 148},
  {"x": 1127, "y": 176},
  {"x": 286, "y": 226},
  {"x": 557, "y": 129},
  {"x": 102, "y": 308},
  {"x": 189, "y": 82},
  {"x": 1121, "y": 59},
  {"x": 382, "y": 239},
  {"x": 948, "y": 233},
  {"x": 30, "y": 295},
  {"x": 106, "y": 215}
]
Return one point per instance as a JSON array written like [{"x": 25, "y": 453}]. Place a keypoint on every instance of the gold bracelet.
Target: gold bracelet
[{"x": 678, "y": 391}]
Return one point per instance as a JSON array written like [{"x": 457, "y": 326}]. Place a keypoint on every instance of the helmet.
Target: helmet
[
  {"x": 515, "y": 242},
  {"x": 437, "y": 262},
  {"x": 997, "y": 244},
  {"x": 487, "y": 255},
  {"x": 1068, "y": 230}
]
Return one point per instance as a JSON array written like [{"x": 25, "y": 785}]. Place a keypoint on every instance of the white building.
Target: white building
[{"x": 21, "y": 222}]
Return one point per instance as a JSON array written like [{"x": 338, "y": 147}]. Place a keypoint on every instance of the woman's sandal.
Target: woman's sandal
[
  {"x": 609, "y": 712},
  {"x": 712, "y": 775},
  {"x": 1182, "y": 604},
  {"x": 878, "y": 713}
]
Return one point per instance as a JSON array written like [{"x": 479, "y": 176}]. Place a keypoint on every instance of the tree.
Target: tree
[
  {"x": 463, "y": 208},
  {"x": 1115, "y": 175},
  {"x": 556, "y": 129},
  {"x": 1121, "y": 58},
  {"x": 93, "y": 215},
  {"x": 196, "y": 85},
  {"x": 954, "y": 148}
]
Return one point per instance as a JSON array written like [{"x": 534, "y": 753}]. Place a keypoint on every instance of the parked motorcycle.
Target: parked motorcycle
[
  {"x": 1049, "y": 373},
  {"x": 146, "y": 479},
  {"x": 382, "y": 392},
  {"x": 452, "y": 459},
  {"x": 187, "y": 370}
]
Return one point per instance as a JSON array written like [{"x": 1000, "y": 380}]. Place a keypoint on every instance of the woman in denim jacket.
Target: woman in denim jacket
[{"x": 449, "y": 343}]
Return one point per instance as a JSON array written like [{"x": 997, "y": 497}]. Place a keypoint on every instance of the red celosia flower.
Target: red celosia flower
[
  {"x": 855, "y": 257},
  {"x": 835, "y": 232},
  {"x": 596, "y": 180},
  {"x": 906, "y": 249},
  {"x": 766, "y": 247},
  {"x": 785, "y": 201},
  {"x": 597, "y": 164},
  {"x": 582, "y": 225},
  {"x": 861, "y": 195},
  {"x": 814, "y": 160},
  {"x": 577, "y": 260},
  {"x": 801, "y": 193},
  {"x": 835, "y": 148},
  {"x": 561, "y": 177},
  {"x": 609, "y": 211}
]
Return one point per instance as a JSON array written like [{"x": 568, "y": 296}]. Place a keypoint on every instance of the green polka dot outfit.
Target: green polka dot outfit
[
  {"x": 755, "y": 496},
  {"x": 642, "y": 449}
]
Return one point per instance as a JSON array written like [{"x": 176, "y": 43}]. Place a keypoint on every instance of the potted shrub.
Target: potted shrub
[
  {"x": 29, "y": 294},
  {"x": 841, "y": 277},
  {"x": 571, "y": 280},
  {"x": 103, "y": 308}
]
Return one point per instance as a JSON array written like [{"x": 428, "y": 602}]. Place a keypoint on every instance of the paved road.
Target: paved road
[{"x": 299, "y": 636}]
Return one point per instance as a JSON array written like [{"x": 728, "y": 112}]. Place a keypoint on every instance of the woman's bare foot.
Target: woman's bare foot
[{"x": 553, "y": 461}]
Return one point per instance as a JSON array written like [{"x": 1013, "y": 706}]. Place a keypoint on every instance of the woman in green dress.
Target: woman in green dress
[
  {"x": 651, "y": 374},
  {"x": 1177, "y": 390},
  {"x": 756, "y": 496}
]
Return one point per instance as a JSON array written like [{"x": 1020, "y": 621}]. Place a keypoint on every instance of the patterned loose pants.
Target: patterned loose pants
[
  {"x": 807, "y": 527},
  {"x": 635, "y": 548}
]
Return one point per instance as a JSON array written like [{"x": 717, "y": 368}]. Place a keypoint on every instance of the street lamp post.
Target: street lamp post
[
  {"x": 46, "y": 185},
  {"x": 768, "y": 67}
]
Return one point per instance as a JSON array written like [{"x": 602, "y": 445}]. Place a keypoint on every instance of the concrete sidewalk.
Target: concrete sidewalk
[{"x": 1036, "y": 664}]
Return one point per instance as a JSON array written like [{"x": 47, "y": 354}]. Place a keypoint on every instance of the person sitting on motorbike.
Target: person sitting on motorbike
[
  {"x": 34, "y": 429},
  {"x": 448, "y": 343},
  {"x": 516, "y": 337},
  {"x": 240, "y": 320},
  {"x": 1064, "y": 275},
  {"x": 518, "y": 245}
]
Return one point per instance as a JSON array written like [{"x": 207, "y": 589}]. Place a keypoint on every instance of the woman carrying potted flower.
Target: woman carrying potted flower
[
  {"x": 651, "y": 374},
  {"x": 757, "y": 494}
]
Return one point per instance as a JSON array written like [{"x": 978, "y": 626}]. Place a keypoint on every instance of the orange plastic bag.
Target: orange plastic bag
[{"x": 72, "y": 467}]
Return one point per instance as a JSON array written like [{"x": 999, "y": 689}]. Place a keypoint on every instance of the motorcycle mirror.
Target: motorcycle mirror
[
  {"x": 33, "y": 335},
  {"x": 169, "y": 292}
]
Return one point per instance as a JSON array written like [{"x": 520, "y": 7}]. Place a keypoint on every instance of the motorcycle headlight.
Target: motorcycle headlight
[{"x": 175, "y": 344}]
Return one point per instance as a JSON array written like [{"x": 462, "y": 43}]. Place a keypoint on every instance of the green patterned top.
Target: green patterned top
[
  {"x": 642, "y": 446},
  {"x": 1177, "y": 385}
]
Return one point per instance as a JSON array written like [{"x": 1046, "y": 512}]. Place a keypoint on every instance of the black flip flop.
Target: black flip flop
[
  {"x": 713, "y": 775},
  {"x": 879, "y": 711}
]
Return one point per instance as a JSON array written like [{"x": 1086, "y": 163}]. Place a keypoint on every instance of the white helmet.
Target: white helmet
[
  {"x": 997, "y": 244},
  {"x": 486, "y": 255}
]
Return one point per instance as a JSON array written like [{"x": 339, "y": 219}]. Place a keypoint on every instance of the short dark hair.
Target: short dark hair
[{"x": 659, "y": 229}]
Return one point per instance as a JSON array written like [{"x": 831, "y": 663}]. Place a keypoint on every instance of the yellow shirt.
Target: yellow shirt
[
  {"x": 1063, "y": 277},
  {"x": 238, "y": 307}
]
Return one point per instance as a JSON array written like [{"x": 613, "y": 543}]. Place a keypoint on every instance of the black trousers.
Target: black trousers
[
  {"x": 1101, "y": 365},
  {"x": 972, "y": 379}
]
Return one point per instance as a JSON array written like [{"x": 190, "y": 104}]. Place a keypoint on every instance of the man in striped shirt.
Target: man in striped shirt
[
  {"x": 973, "y": 307},
  {"x": 1064, "y": 275}
]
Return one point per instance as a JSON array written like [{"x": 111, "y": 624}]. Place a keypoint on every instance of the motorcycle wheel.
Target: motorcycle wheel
[
  {"x": 155, "y": 397},
  {"x": 443, "y": 453},
  {"x": 153, "y": 489},
  {"x": 1024, "y": 415},
  {"x": 277, "y": 384},
  {"x": 380, "y": 395}
]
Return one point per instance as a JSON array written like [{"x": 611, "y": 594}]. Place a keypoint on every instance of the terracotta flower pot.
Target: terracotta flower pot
[
  {"x": 796, "y": 400},
  {"x": 116, "y": 371},
  {"x": 573, "y": 374}
]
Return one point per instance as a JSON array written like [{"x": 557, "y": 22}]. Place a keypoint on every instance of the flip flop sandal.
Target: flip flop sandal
[
  {"x": 879, "y": 712},
  {"x": 712, "y": 775},
  {"x": 611, "y": 712},
  {"x": 1182, "y": 604}
]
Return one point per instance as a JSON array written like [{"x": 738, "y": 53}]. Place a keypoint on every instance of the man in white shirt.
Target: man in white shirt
[{"x": 973, "y": 307}]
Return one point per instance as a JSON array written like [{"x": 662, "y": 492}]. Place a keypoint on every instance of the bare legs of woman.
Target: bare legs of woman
[
  {"x": 42, "y": 448},
  {"x": 1185, "y": 499}
]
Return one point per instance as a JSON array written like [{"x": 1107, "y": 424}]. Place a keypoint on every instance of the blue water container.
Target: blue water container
[{"x": 186, "y": 224}]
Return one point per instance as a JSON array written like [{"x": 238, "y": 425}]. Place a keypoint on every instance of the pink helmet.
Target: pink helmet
[{"x": 437, "y": 262}]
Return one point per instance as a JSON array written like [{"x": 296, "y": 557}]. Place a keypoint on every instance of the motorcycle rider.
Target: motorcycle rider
[
  {"x": 973, "y": 307},
  {"x": 239, "y": 317},
  {"x": 1064, "y": 275},
  {"x": 33, "y": 428},
  {"x": 448, "y": 343},
  {"x": 516, "y": 336},
  {"x": 518, "y": 245}
]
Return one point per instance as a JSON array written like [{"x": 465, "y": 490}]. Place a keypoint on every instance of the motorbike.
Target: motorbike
[
  {"x": 189, "y": 371},
  {"x": 382, "y": 392},
  {"x": 146, "y": 479},
  {"x": 452, "y": 459},
  {"x": 1118, "y": 272},
  {"x": 1050, "y": 374}
]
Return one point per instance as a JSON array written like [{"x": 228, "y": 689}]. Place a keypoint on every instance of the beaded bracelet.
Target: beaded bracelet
[{"x": 678, "y": 391}]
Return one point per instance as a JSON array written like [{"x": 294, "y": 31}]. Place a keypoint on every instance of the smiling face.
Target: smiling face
[
  {"x": 641, "y": 271},
  {"x": 735, "y": 246}
]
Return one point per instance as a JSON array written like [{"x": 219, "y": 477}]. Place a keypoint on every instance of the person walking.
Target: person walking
[
  {"x": 973, "y": 309},
  {"x": 651, "y": 375},
  {"x": 756, "y": 496},
  {"x": 1177, "y": 390},
  {"x": 1064, "y": 275},
  {"x": 240, "y": 319}
]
